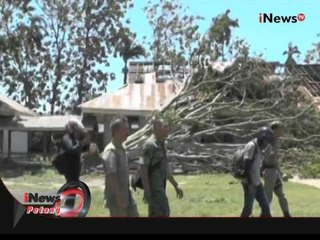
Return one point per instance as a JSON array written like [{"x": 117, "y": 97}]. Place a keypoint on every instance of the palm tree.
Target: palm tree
[
  {"x": 220, "y": 32},
  {"x": 290, "y": 52},
  {"x": 130, "y": 50}
]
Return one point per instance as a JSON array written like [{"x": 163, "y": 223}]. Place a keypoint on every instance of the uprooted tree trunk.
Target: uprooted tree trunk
[{"x": 214, "y": 113}]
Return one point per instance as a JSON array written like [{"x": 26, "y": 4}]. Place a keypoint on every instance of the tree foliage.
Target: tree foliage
[
  {"x": 21, "y": 37},
  {"x": 54, "y": 54},
  {"x": 175, "y": 32}
]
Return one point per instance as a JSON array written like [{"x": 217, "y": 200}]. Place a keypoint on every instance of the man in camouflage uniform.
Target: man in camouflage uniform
[
  {"x": 117, "y": 193},
  {"x": 155, "y": 171},
  {"x": 272, "y": 174}
]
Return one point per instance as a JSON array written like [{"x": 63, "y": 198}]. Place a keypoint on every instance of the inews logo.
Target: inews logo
[
  {"x": 76, "y": 193},
  {"x": 42, "y": 204},
  {"x": 270, "y": 18}
]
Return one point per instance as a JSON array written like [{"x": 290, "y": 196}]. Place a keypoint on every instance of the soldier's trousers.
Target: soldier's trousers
[
  {"x": 130, "y": 211},
  {"x": 273, "y": 184},
  {"x": 159, "y": 204}
]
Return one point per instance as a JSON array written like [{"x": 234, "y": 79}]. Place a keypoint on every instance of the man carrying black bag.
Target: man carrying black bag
[
  {"x": 68, "y": 162},
  {"x": 251, "y": 183}
]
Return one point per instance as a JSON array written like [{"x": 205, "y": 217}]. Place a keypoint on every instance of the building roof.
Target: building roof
[
  {"x": 312, "y": 71},
  {"x": 134, "y": 99},
  {"x": 37, "y": 123},
  {"x": 41, "y": 123},
  {"x": 310, "y": 77},
  {"x": 9, "y": 107},
  {"x": 47, "y": 122},
  {"x": 313, "y": 87},
  {"x": 156, "y": 63}
]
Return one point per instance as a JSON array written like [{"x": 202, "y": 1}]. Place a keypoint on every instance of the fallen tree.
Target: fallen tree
[{"x": 215, "y": 113}]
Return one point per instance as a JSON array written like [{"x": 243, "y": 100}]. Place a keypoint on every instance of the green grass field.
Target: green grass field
[{"x": 204, "y": 195}]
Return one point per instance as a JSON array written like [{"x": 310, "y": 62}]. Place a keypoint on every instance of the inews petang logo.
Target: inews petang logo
[
  {"x": 42, "y": 204},
  {"x": 270, "y": 18},
  {"x": 72, "y": 200}
]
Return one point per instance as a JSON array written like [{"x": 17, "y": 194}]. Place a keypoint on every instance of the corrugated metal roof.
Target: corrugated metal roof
[
  {"x": 310, "y": 77},
  {"x": 16, "y": 107},
  {"x": 133, "y": 97},
  {"x": 47, "y": 122},
  {"x": 37, "y": 123},
  {"x": 312, "y": 86},
  {"x": 310, "y": 70},
  {"x": 43, "y": 123}
]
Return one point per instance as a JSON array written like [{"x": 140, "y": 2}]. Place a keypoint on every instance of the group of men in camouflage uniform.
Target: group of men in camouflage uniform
[
  {"x": 262, "y": 156},
  {"x": 154, "y": 172}
]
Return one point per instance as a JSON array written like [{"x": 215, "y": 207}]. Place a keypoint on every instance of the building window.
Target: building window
[{"x": 134, "y": 124}]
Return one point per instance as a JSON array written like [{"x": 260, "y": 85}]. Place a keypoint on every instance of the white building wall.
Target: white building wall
[
  {"x": 144, "y": 77},
  {"x": 19, "y": 142},
  {"x": 150, "y": 77}
]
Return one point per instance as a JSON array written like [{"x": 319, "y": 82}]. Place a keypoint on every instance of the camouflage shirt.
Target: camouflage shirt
[
  {"x": 155, "y": 158},
  {"x": 271, "y": 155}
]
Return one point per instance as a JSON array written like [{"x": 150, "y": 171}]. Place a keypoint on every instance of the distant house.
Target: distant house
[
  {"x": 10, "y": 139},
  {"x": 24, "y": 132},
  {"x": 310, "y": 77},
  {"x": 150, "y": 86},
  {"x": 308, "y": 74}
]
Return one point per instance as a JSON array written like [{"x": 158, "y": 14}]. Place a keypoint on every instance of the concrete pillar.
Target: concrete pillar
[
  {"x": 9, "y": 144},
  {"x": 5, "y": 141},
  {"x": 45, "y": 145}
]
